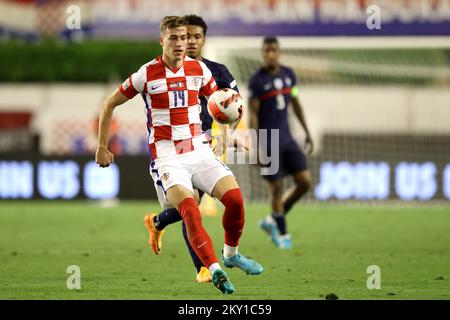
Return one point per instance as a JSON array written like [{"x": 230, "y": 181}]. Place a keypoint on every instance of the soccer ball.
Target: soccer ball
[{"x": 225, "y": 106}]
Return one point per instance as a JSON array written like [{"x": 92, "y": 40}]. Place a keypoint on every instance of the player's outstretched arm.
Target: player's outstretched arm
[
  {"x": 103, "y": 157},
  {"x": 298, "y": 110}
]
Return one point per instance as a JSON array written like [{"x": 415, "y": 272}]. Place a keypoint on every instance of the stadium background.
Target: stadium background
[
  {"x": 377, "y": 100},
  {"x": 381, "y": 130}
]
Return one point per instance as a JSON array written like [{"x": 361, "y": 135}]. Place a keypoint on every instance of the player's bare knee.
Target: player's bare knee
[
  {"x": 303, "y": 182},
  {"x": 304, "y": 185},
  {"x": 308, "y": 184}
]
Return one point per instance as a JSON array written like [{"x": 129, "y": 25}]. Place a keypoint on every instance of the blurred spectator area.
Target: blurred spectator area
[
  {"x": 16, "y": 135},
  {"x": 66, "y": 118},
  {"x": 62, "y": 75}
]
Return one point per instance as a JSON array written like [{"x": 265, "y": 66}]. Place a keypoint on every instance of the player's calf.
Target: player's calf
[
  {"x": 233, "y": 217},
  {"x": 197, "y": 235}
]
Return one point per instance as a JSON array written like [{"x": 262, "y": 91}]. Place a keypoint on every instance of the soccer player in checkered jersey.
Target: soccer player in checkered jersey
[
  {"x": 181, "y": 158},
  {"x": 196, "y": 32}
]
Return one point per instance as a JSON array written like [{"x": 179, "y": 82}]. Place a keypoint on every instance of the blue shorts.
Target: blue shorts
[{"x": 292, "y": 160}]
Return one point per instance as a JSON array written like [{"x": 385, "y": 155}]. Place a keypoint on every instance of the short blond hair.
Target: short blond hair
[{"x": 171, "y": 22}]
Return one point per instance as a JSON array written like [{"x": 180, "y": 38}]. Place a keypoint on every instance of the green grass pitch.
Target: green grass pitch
[{"x": 333, "y": 246}]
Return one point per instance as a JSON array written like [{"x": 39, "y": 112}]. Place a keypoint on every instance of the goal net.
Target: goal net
[{"x": 378, "y": 109}]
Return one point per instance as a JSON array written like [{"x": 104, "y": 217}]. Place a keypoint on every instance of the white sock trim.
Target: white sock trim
[
  {"x": 229, "y": 251},
  {"x": 269, "y": 219},
  {"x": 214, "y": 267}
]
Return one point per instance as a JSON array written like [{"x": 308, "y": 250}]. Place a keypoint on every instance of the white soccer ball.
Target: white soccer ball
[{"x": 226, "y": 106}]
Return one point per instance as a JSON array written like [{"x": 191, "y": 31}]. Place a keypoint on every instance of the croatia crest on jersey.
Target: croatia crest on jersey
[
  {"x": 197, "y": 82},
  {"x": 165, "y": 176}
]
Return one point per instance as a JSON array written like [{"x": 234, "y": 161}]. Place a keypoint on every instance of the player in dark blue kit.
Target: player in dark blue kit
[
  {"x": 196, "y": 32},
  {"x": 272, "y": 90}
]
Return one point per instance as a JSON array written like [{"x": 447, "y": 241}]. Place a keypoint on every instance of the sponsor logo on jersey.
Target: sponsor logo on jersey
[{"x": 176, "y": 85}]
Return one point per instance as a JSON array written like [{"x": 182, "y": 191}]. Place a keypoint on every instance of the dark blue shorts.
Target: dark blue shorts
[{"x": 292, "y": 160}]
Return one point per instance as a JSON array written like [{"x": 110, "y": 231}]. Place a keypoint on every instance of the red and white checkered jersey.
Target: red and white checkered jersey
[{"x": 172, "y": 104}]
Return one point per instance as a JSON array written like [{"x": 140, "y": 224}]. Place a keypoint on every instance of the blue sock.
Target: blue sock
[
  {"x": 167, "y": 217},
  {"x": 281, "y": 222},
  {"x": 195, "y": 259}
]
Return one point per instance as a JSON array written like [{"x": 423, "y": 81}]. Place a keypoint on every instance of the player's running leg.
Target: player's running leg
[
  {"x": 182, "y": 198},
  {"x": 156, "y": 223},
  {"x": 203, "y": 274},
  {"x": 294, "y": 163},
  {"x": 275, "y": 223},
  {"x": 229, "y": 193},
  {"x": 155, "y": 226},
  {"x": 303, "y": 182}
]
